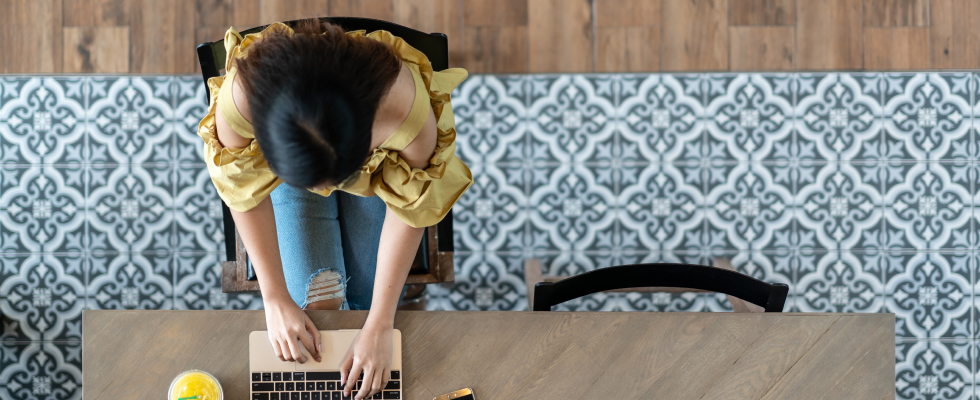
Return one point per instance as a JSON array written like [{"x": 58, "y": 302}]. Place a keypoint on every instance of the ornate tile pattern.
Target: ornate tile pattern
[{"x": 858, "y": 190}]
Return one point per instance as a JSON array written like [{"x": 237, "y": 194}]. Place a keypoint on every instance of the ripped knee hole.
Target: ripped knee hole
[{"x": 325, "y": 286}]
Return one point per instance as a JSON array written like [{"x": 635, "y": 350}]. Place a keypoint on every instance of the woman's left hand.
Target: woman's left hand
[{"x": 369, "y": 353}]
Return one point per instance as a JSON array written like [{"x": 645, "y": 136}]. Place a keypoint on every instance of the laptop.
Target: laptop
[{"x": 274, "y": 379}]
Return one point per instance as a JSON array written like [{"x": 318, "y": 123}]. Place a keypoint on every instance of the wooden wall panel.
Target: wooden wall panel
[
  {"x": 896, "y": 12},
  {"x": 34, "y": 40},
  {"x": 216, "y": 13},
  {"x": 627, "y": 12},
  {"x": 701, "y": 46},
  {"x": 762, "y": 12},
  {"x": 96, "y": 12},
  {"x": 829, "y": 35},
  {"x": 278, "y": 11},
  {"x": 627, "y": 36},
  {"x": 441, "y": 16},
  {"x": 103, "y": 49},
  {"x": 762, "y": 48},
  {"x": 152, "y": 37},
  {"x": 494, "y": 49},
  {"x": 495, "y": 12},
  {"x": 377, "y": 9},
  {"x": 246, "y": 14},
  {"x": 560, "y": 36},
  {"x": 955, "y": 39},
  {"x": 519, "y": 36},
  {"x": 628, "y": 49},
  {"x": 896, "y": 48}
]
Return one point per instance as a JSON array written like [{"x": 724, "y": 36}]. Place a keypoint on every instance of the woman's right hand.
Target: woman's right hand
[{"x": 289, "y": 328}]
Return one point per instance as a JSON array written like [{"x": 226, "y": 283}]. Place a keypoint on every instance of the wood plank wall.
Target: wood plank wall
[{"x": 518, "y": 36}]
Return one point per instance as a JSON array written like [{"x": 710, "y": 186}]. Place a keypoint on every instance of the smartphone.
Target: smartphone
[{"x": 462, "y": 394}]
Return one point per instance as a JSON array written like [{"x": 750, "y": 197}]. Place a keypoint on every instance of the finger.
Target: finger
[
  {"x": 317, "y": 340},
  {"x": 365, "y": 391},
  {"x": 307, "y": 340},
  {"x": 277, "y": 350},
  {"x": 385, "y": 377},
  {"x": 345, "y": 366},
  {"x": 294, "y": 348},
  {"x": 377, "y": 385},
  {"x": 352, "y": 379},
  {"x": 287, "y": 353}
]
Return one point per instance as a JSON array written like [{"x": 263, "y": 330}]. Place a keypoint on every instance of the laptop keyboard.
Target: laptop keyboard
[{"x": 313, "y": 385}]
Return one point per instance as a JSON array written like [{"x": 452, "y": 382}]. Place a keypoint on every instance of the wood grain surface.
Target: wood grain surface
[
  {"x": 762, "y": 12},
  {"x": 828, "y": 35},
  {"x": 701, "y": 46},
  {"x": 540, "y": 355},
  {"x": 762, "y": 48},
  {"x": 519, "y": 36}
]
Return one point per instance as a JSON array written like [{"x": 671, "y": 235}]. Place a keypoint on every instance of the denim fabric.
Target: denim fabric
[{"x": 339, "y": 232}]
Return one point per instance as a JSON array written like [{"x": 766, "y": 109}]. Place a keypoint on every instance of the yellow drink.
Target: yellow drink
[{"x": 195, "y": 385}]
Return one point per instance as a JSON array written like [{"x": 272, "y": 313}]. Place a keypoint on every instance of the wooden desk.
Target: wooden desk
[{"x": 528, "y": 355}]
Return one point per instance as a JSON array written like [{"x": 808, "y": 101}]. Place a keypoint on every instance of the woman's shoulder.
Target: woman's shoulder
[{"x": 228, "y": 136}]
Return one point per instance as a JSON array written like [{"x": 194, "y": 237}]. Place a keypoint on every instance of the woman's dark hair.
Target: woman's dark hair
[{"x": 313, "y": 96}]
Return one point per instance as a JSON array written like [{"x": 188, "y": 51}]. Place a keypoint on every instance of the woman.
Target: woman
[{"x": 361, "y": 130}]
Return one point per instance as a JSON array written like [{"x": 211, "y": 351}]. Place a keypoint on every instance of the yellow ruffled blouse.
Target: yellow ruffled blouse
[{"x": 420, "y": 197}]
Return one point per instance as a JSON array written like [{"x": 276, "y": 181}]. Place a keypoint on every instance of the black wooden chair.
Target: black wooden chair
[
  {"x": 434, "y": 260},
  {"x": 770, "y": 297}
]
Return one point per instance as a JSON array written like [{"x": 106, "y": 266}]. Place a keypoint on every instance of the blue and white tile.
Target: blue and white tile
[
  {"x": 748, "y": 206},
  {"x": 131, "y": 281},
  {"x": 46, "y": 297},
  {"x": 41, "y": 209},
  {"x": 932, "y": 369},
  {"x": 490, "y": 120},
  {"x": 659, "y": 211},
  {"x": 44, "y": 118},
  {"x": 661, "y": 119},
  {"x": 198, "y": 221},
  {"x": 606, "y": 87},
  {"x": 132, "y": 211},
  {"x": 572, "y": 208},
  {"x": 492, "y": 214},
  {"x": 571, "y": 119},
  {"x": 483, "y": 282},
  {"x": 839, "y": 281},
  {"x": 927, "y": 114},
  {"x": 11, "y": 154},
  {"x": 749, "y": 118},
  {"x": 793, "y": 163},
  {"x": 931, "y": 297},
  {"x": 839, "y": 207},
  {"x": 615, "y": 163},
  {"x": 533, "y": 87},
  {"x": 133, "y": 124},
  {"x": 840, "y": 117},
  {"x": 198, "y": 285},
  {"x": 792, "y": 251},
  {"x": 40, "y": 370},
  {"x": 191, "y": 105},
  {"x": 928, "y": 206}
]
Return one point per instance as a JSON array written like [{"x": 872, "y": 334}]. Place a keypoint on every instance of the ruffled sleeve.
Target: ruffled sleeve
[
  {"x": 420, "y": 197},
  {"x": 242, "y": 177}
]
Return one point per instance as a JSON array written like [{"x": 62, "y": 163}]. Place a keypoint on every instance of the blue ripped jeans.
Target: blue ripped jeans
[{"x": 326, "y": 237}]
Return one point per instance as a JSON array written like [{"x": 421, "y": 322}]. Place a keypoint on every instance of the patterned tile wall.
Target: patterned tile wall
[{"x": 856, "y": 190}]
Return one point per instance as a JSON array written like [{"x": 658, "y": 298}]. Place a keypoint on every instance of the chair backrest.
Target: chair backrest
[
  {"x": 766, "y": 295},
  {"x": 435, "y": 46}
]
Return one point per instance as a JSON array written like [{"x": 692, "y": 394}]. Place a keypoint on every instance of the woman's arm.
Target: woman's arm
[
  {"x": 288, "y": 325},
  {"x": 370, "y": 352}
]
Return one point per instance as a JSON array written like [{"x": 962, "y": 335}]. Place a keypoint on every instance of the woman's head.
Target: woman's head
[{"x": 313, "y": 96}]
